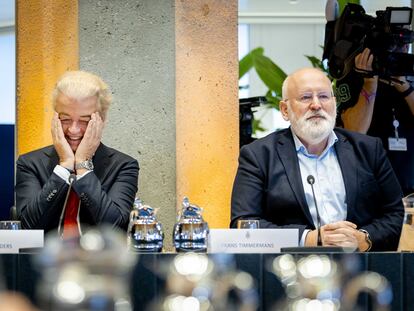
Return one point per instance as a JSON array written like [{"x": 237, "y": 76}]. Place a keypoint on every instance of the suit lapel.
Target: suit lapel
[
  {"x": 347, "y": 160},
  {"x": 287, "y": 152}
]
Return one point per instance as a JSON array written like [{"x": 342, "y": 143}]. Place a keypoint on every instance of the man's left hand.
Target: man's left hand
[
  {"x": 341, "y": 233},
  {"x": 91, "y": 139}
]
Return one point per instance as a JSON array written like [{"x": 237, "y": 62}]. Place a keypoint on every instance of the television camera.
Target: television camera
[{"x": 385, "y": 35}]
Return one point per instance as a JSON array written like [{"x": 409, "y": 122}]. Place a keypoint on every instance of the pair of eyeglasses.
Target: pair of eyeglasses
[{"x": 307, "y": 98}]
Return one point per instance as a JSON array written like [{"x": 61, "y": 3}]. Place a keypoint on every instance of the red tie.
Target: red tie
[{"x": 70, "y": 222}]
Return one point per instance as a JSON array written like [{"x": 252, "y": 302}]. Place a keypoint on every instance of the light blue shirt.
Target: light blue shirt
[{"x": 329, "y": 184}]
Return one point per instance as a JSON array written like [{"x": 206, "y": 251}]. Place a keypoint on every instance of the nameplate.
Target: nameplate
[
  {"x": 251, "y": 240},
  {"x": 13, "y": 240}
]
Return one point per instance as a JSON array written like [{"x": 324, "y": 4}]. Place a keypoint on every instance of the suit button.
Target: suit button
[{"x": 54, "y": 191}]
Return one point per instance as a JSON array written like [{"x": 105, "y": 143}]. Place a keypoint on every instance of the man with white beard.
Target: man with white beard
[{"x": 358, "y": 196}]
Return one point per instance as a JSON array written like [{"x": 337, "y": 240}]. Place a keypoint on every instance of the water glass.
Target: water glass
[
  {"x": 408, "y": 201},
  {"x": 407, "y": 234},
  {"x": 10, "y": 225},
  {"x": 248, "y": 224}
]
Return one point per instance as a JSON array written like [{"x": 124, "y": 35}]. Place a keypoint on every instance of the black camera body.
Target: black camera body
[
  {"x": 384, "y": 35},
  {"x": 246, "y": 117}
]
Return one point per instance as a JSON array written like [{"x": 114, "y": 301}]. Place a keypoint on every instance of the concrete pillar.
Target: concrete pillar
[
  {"x": 47, "y": 46},
  {"x": 130, "y": 44}
]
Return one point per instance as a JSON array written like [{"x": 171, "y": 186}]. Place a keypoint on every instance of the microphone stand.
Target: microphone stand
[
  {"x": 71, "y": 179},
  {"x": 311, "y": 181}
]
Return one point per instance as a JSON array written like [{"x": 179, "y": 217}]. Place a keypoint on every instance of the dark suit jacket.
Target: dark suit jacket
[
  {"x": 268, "y": 186},
  {"x": 106, "y": 194}
]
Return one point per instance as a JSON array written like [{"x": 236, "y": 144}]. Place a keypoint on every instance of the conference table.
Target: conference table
[{"x": 146, "y": 285}]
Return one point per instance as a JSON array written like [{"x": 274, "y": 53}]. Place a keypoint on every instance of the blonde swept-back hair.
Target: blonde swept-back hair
[{"x": 80, "y": 85}]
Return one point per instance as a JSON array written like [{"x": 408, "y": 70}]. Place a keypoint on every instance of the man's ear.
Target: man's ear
[{"x": 284, "y": 110}]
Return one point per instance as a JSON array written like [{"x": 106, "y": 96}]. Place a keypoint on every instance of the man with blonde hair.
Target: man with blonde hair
[
  {"x": 357, "y": 193},
  {"x": 77, "y": 179}
]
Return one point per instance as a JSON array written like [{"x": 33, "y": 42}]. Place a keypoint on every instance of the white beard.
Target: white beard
[{"x": 312, "y": 131}]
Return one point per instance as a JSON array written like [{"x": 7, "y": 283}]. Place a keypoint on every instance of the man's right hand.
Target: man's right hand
[{"x": 65, "y": 153}]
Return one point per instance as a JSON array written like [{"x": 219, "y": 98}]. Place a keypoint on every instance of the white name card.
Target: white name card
[
  {"x": 13, "y": 240},
  {"x": 251, "y": 240}
]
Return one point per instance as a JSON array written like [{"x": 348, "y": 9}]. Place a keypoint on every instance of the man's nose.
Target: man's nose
[
  {"x": 74, "y": 127},
  {"x": 315, "y": 103}
]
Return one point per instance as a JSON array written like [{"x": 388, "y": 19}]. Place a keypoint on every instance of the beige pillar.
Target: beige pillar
[{"x": 207, "y": 105}]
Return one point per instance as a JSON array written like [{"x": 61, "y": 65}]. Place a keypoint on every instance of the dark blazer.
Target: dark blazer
[
  {"x": 268, "y": 186},
  {"x": 106, "y": 194}
]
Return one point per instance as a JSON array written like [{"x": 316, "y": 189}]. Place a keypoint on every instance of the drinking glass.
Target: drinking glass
[
  {"x": 408, "y": 201},
  {"x": 407, "y": 234},
  {"x": 10, "y": 225},
  {"x": 248, "y": 224}
]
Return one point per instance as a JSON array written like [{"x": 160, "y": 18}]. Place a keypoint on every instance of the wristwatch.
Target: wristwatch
[
  {"x": 367, "y": 239},
  {"x": 87, "y": 164}
]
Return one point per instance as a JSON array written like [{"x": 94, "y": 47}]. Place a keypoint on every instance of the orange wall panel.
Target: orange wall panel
[
  {"x": 207, "y": 110},
  {"x": 47, "y": 46}
]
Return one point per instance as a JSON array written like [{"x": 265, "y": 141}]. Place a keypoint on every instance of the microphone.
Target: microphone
[
  {"x": 331, "y": 10},
  {"x": 72, "y": 178},
  {"x": 311, "y": 180}
]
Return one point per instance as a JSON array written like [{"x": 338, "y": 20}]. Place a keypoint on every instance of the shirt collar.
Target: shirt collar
[{"x": 332, "y": 139}]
